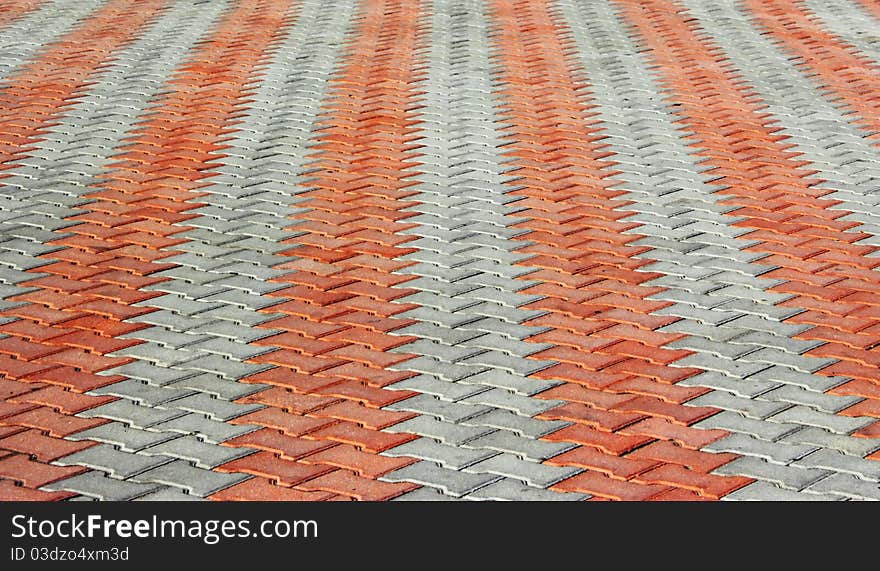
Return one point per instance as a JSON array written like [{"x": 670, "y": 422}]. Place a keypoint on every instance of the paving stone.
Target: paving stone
[
  {"x": 445, "y": 432},
  {"x": 169, "y": 495},
  {"x": 204, "y": 427},
  {"x": 847, "y": 486},
  {"x": 132, "y": 414},
  {"x": 511, "y": 466},
  {"x": 735, "y": 422},
  {"x": 767, "y": 492},
  {"x": 454, "y": 457},
  {"x": 797, "y": 395},
  {"x": 503, "y": 399},
  {"x": 117, "y": 463},
  {"x": 432, "y": 385},
  {"x": 506, "y": 441},
  {"x": 812, "y": 417},
  {"x": 779, "y": 452},
  {"x": 455, "y": 412},
  {"x": 126, "y": 438},
  {"x": 513, "y": 490},
  {"x": 752, "y": 408},
  {"x": 143, "y": 393},
  {"x": 196, "y": 481},
  {"x": 202, "y": 454},
  {"x": 819, "y": 437},
  {"x": 97, "y": 485},
  {"x": 426, "y": 495},
  {"x": 789, "y": 477},
  {"x": 838, "y": 462},
  {"x": 452, "y": 482}
]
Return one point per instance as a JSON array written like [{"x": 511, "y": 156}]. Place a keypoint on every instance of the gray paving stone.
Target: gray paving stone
[
  {"x": 126, "y": 438},
  {"x": 237, "y": 315},
  {"x": 227, "y": 368},
  {"x": 498, "y": 360},
  {"x": 733, "y": 368},
  {"x": 735, "y": 422},
  {"x": 166, "y": 337},
  {"x": 229, "y": 349},
  {"x": 132, "y": 414},
  {"x": 797, "y": 362},
  {"x": 229, "y": 330},
  {"x": 511, "y": 466},
  {"x": 426, "y": 495},
  {"x": 838, "y": 462},
  {"x": 450, "y": 372},
  {"x": 831, "y": 422},
  {"x": 445, "y": 432},
  {"x": 746, "y": 388},
  {"x": 189, "y": 291},
  {"x": 202, "y": 454},
  {"x": 143, "y": 393},
  {"x": 97, "y": 485},
  {"x": 157, "y": 354},
  {"x": 440, "y": 351},
  {"x": 169, "y": 495},
  {"x": 504, "y": 344},
  {"x": 117, "y": 463},
  {"x": 196, "y": 481},
  {"x": 214, "y": 408},
  {"x": 797, "y": 395},
  {"x": 506, "y": 380},
  {"x": 514, "y": 490},
  {"x": 718, "y": 334},
  {"x": 448, "y": 411},
  {"x": 527, "y": 448},
  {"x": 512, "y": 330},
  {"x": 505, "y": 313},
  {"x": 149, "y": 373},
  {"x": 180, "y": 305},
  {"x": 172, "y": 321},
  {"x": 819, "y": 437},
  {"x": 763, "y": 338},
  {"x": 503, "y": 399},
  {"x": 430, "y": 474},
  {"x": 204, "y": 428},
  {"x": 520, "y": 424},
  {"x": 453, "y": 457},
  {"x": 429, "y": 384},
  {"x": 847, "y": 486},
  {"x": 219, "y": 387},
  {"x": 752, "y": 408},
  {"x": 788, "y": 376},
  {"x": 443, "y": 335},
  {"x": 789, "y": 477},
  {"x": 766, "y": 492},
  {"x": 744, "y": 444},
  {"x": 772, "y": 326}
]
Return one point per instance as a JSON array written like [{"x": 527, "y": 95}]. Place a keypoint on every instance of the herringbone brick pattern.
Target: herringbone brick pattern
[{"x": 439, "y": 250}]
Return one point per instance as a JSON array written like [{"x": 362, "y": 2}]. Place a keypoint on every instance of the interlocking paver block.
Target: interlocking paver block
[{"x": 454, "y": 482}]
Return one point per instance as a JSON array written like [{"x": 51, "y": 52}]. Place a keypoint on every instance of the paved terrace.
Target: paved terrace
[{"x": 439, "y": 249}]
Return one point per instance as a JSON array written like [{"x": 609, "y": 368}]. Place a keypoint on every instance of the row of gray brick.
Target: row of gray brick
[{"x": 479, "y": 438}]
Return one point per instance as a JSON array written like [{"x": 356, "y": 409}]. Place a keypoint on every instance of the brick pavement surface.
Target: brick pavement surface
[{"x": 440, "y": 250}]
